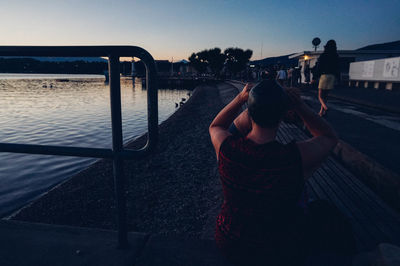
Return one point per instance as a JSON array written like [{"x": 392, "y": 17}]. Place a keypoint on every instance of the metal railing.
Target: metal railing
[{"x": 118, "y": 153}]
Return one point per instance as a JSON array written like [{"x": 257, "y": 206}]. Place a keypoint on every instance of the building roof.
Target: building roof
[{"x": 348, "y": 53}]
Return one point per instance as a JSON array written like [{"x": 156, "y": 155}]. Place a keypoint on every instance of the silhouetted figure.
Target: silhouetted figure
[
  {"x": 328, "y": 68},
  {"x": 307, "y": 72},
  {"x": 296, "y": 76},
  {"x": 265, "y": 75},
  {"x": 290, "y": 76},
  {"x": 315, "y": 75},
  {"x": 281, "y": 76}
]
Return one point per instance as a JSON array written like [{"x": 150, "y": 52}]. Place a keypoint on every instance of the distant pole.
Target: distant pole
[
  {"x": 262, "y": 44},
  {"x": 172, "y": 66},
  {"x": 315, "y": 42},
  {"x": 133, "y": 67}
]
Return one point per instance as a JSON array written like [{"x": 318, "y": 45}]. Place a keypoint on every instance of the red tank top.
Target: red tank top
[{"x": 262, "y": 185}]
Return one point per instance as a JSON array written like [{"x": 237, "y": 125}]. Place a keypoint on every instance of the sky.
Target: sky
[{"x": 176, "y": 28}]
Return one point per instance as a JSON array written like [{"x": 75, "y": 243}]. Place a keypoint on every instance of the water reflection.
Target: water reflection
[{"x": 73, "y": 113}]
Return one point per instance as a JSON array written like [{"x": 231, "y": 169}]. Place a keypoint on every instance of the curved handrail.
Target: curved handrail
[
  {"x": 117, "y": 153},
  {"x": 94, "y": 51}
]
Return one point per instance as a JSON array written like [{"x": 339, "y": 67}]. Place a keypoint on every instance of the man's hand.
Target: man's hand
[
  {"x": 243, "y": 123},
  {"x": 244, "y": 94},
  {"x": 219, "y": 126}
]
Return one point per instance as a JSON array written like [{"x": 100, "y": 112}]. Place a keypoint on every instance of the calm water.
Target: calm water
[{"x": 40, "y": 109}]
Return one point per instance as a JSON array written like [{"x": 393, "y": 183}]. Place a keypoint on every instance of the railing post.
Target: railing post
[{"x": 117, "y": 146}]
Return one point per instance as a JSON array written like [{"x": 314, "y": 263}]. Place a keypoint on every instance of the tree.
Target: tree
[
  {"x": 215, "y": 60},
  {"x": 198, "y": 62},
  {"x": 212, "y": 58},
  {"x": 237, "y": 59}
]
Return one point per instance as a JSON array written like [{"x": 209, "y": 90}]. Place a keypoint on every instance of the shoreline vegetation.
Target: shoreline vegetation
[
  {"x": 28, "y": 65},
  {"x": 169, "y": 192}
]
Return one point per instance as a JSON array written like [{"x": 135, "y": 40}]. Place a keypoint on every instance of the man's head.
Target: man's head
[{"x": 267, "y": 104}]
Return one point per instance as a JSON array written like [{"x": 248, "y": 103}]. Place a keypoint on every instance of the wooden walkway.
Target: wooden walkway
[{"x": 373, "y": 221}]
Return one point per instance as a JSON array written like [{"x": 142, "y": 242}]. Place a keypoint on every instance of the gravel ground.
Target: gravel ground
[{"x": 170, "y": 192}]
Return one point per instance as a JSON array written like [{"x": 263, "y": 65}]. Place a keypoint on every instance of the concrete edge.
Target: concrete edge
[
  {"x": 381, "y": 180},
  {"x": 366, "y": 104},
  {"x": 178, "y": 251},
  {"x": 25, "y": 243},
  {"x": 60, "y": 227},
  {"x": 360, "y": 102}
]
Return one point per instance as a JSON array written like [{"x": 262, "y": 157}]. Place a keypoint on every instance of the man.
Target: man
[{"x": 261, "y": 221}]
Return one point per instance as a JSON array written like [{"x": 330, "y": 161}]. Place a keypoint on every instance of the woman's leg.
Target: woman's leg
[
  {"x": 322, "y": 99},
  {"x": 321, "y": 111},
  {"x": 325, "y": 94}
]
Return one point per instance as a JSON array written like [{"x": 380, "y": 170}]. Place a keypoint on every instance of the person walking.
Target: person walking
[
  {"x": 328, "y": 68},
  {"x": 296, "y": 76},
  {"x": 307, "y": 72},
  {"x": 290, "y": 76},
  {"x": 281, "y": 76}
]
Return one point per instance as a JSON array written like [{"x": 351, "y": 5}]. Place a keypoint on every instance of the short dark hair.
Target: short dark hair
[
  {"x": 267, "y": 103},
  {"x": 330, "y": 46}
]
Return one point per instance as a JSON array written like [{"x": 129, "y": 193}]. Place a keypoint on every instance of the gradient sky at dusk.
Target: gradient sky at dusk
[{"x": 176, "y": 28}]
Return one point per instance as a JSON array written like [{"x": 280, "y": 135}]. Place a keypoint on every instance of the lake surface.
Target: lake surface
[{"x": 47, "y": 110}]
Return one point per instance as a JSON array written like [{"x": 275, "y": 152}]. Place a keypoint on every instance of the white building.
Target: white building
[
  {"x": 381, "y": 73},
  {"x": 307, "y": 59}
]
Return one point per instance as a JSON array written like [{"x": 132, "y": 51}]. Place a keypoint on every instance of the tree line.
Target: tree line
[
  {"x": 231, "y": 61},
  {"x": 29, "y": 65}
]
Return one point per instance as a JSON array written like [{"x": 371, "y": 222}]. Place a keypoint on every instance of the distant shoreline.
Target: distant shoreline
[{"x": 47, "y": 76}]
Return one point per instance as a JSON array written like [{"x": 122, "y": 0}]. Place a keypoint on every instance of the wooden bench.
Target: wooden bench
[{"x": 373, "y": 221}]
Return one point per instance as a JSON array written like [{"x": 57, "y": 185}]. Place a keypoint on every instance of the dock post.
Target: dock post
[{"x": 117, "y": 145}]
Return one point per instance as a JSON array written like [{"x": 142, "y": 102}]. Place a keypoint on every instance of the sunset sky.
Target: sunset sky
[{"x": 176, "y": 28}]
